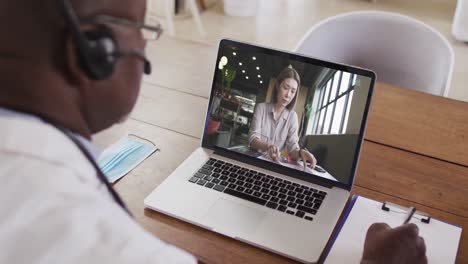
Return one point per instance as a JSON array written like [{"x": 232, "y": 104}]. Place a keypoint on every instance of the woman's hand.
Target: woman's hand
[
  {"x": 307, "y": 156},
  {"x": 273, "y": 152}
]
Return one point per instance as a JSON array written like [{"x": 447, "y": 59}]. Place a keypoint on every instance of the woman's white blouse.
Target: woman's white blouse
[{"x": 283, "y": 132}]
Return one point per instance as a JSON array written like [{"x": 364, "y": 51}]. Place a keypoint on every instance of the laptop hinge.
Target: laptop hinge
[{"x": 272, "y": 167}]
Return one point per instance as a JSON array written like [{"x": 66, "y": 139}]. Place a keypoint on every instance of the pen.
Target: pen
[{"x": 409, "y": 215}]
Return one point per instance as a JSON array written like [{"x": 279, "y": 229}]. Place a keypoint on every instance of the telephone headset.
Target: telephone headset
[{"x": 97, "y": 49}]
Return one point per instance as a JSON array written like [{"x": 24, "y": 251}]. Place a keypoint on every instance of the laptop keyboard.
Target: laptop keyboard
[{"x": 272, "y": 192}]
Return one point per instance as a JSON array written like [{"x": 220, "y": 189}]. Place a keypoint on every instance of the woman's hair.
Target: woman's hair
[{"x": 286, "y": 73}]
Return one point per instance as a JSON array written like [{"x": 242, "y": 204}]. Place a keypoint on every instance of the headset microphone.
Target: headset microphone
[{"x": 147, "y": 68}]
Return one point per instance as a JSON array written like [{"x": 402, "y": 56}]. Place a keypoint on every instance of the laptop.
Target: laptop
[{"x": 271, "y": 116}]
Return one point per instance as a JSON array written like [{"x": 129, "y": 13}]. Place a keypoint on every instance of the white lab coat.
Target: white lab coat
[{"x": 53, "y": 208}]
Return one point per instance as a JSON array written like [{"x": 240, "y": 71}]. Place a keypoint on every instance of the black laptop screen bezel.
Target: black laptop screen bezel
[{"x": 277, "y": 167}]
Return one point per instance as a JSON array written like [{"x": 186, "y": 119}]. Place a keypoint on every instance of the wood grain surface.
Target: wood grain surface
[{"x": 430, "y": 125}]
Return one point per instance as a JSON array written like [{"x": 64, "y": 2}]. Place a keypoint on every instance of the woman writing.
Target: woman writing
[{"x": 275, "y": 125}]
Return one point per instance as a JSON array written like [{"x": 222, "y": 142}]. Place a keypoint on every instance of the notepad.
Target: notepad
[{"x": 441, "y": 239}]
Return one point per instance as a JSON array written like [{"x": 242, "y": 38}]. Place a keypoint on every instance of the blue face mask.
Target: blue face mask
[{"x": 123, "y": 156}]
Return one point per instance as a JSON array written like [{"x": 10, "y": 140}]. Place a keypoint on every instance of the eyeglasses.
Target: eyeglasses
[{"x": 150, "y": 29}]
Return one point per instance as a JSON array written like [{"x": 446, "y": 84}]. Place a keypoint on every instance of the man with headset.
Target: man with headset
[{"x": 68, "y": 69}]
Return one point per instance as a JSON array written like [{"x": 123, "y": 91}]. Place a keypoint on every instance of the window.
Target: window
[
  {"x": 336, "y": 80},
  {"x": 327, "y": 93},
  {"x": 336, "y": 129},
  {"x": 347, "y": 109},
  {"x": 334, "y": 101},
  {"x": 345, "y": 82}
]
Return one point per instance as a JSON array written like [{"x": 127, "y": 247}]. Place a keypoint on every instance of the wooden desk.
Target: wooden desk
[
  {"x": 421, "y": 123},
  {"x": 415, "y": 153}
]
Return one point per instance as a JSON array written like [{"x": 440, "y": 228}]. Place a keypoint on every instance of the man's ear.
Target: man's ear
[{"x": 72, "y": 61}]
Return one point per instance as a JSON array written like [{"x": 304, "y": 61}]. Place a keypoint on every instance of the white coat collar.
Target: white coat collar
[
  {"x": 90, "y": 147},
  {"x": 42, "y": 141}
]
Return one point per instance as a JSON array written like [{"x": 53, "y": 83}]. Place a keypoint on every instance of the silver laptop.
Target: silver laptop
[{"x": 272, "y": 115}]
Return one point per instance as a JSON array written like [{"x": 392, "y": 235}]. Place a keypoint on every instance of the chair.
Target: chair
[
  {"x": 402, "y": 51},
  {"x": 460, "y": 21},
  {"x": 169, "y": 7}
]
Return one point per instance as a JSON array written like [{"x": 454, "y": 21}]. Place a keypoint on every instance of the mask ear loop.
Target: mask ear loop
[{"x": 144, "y": 139}]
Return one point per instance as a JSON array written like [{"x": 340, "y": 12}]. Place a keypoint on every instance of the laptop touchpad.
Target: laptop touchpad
[{"x": 233, "y": 219}]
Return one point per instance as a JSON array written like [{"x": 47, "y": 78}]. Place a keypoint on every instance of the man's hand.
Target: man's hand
[{"x": 394, "y": 245}]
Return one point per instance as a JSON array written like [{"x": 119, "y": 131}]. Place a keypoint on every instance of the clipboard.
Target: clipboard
[
  {"x": 442, "y": 239},
  {"x": 398, "y": 209}
]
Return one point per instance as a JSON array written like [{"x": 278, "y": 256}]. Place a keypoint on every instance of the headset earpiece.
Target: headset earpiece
[
  {"x": 99, "y": 53},
  {"x": 95, "y": 48}
]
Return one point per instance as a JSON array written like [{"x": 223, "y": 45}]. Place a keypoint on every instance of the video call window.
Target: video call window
[{"x": 287, "y": 112}]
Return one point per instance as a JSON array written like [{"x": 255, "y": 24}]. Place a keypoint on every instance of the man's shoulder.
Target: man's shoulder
[
  {"x": 41, "y": 142},
  {"x": 36, "y": 176},
  {"x": 49, "y": 203}
]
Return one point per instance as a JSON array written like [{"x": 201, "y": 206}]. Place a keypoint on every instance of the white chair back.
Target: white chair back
[{"x": 401, "y": 50}]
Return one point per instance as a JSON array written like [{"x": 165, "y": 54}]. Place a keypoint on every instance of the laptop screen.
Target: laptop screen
[{"x": 290, "y": 111}]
